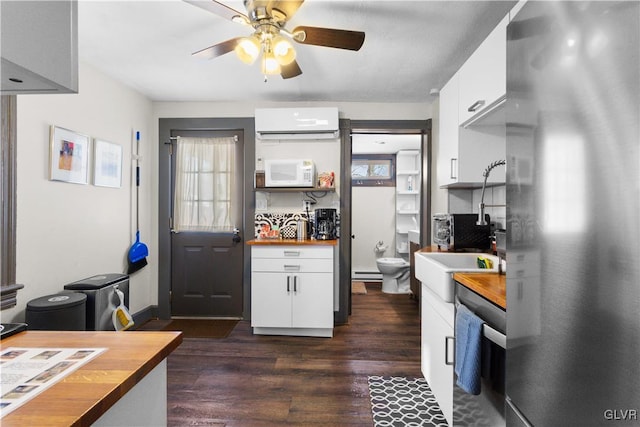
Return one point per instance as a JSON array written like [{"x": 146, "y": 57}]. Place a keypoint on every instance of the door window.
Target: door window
[{"x": 204, "y": 184}]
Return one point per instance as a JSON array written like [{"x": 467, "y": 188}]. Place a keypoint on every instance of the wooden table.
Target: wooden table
[{"x": 85, "y": 395}]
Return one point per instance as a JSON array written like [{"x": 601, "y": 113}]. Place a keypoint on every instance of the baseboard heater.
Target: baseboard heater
[{"x": 367, "y": 276}]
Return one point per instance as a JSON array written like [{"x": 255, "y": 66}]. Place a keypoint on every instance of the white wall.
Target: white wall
[
  {"x": 373, "y": 219},
  {"x": 67, "y": 232}
]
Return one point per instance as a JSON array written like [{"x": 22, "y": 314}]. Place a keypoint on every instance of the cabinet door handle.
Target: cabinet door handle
[
  {"x": 446, "y": 350},
  {"x": 520, "y": 290},
  {"x": 288, "y": 284},
  {"x": 295, "y": 283},
  {"x": 454, "y": 169},
  {"x": 474, "y": 107},
  {"x": 291, "y": 267},
  {"x": 291, "y": 253}
]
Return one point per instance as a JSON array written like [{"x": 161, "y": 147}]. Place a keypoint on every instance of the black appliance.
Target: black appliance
[
  {"x": 325, "y": 224},
  {"x": 460, "y": 231},
  {"x": 488, "y": 407}
]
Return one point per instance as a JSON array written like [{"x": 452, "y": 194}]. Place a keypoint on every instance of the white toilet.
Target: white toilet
[{"x": 395, "y": 275}]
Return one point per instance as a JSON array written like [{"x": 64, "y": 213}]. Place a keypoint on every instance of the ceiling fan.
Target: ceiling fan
[{"x": 270, "y": 37}]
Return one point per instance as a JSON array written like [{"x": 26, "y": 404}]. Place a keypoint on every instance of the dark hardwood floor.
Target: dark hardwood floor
[{"x": 253, "y": 380}]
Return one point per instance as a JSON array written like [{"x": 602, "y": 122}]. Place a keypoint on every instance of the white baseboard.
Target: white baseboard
[{"x": 367, "y": 276}]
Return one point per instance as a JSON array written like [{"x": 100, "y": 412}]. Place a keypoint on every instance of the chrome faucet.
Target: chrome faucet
[{"x": 487, "y": 171}]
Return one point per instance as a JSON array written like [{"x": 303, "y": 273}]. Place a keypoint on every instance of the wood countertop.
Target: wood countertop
[
  {"x": 292, "y": 242},
  {"x": 492, "y": 286},
  {"x": 84, "y": 395}
]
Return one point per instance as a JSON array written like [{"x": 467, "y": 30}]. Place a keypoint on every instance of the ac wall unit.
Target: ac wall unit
[{"x": 297, "y": 123}]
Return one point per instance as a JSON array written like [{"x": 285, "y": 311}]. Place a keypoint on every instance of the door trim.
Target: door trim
[
  {"x": 422, "y": 127},
  {"x": 166, "y": 125}
]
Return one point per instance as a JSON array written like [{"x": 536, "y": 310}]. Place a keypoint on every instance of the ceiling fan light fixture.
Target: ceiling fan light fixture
[
  {"x": 283, "y": 51},
  {"x": 270, "y": 64},
  {"x": 248, "y": 50}
]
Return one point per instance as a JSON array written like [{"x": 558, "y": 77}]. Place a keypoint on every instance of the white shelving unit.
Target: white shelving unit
[{"x": 408, "y": 175}]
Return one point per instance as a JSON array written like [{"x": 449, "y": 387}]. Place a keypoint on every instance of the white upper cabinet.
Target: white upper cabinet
[
  {"x": 466, "y": 151},
  {"x": 448, "y": 135},
  {"x": 483, "y": 77},
  {"x": 39, "y": 46},
  {"x": 464, "y": 154}
]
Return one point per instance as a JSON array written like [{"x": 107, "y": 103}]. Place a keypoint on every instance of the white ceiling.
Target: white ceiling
[{"x": 410, "y": 48}]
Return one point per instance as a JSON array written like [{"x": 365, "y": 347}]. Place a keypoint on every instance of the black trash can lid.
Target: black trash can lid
[
  {"x": 57, "y": 301},
  {"x": 96, "y": 282}
]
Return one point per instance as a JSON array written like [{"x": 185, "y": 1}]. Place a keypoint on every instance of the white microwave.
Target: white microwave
[{"x": 289, "y": 173}]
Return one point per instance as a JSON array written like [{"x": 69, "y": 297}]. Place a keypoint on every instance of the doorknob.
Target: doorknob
[{"x": 236, "y": 235}]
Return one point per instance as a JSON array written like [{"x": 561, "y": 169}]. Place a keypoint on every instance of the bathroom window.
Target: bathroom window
[{"x": 373, "y": 170}]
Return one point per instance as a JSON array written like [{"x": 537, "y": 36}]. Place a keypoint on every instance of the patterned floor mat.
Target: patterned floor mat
[{"x": 403, "y": 402}]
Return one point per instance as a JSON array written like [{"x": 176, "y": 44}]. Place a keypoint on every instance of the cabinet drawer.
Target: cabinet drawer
[
  {"x": 292, "y": 265},
  {"x": 293, "y": 252},
  {"x": 523, "y": 264}
]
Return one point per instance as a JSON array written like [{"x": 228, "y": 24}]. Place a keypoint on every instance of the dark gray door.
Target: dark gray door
[{"x": 206, "y": 266}]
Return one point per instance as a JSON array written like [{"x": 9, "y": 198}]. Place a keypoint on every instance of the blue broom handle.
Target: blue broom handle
[{"x": 137, "y": 185}]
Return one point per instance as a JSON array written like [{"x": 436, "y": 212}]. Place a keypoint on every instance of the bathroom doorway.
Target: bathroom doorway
[
  {"x": 381, "y": 127},
  {"x": 386, "y": 172}
]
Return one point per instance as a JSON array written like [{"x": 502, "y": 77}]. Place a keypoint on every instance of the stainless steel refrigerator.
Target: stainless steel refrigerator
[{"x": 573, "y": 214}]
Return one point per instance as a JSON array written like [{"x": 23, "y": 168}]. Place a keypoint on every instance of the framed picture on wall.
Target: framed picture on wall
[
  {"x": 68, "y": 156},
  {"x": 107, "y": 170}
]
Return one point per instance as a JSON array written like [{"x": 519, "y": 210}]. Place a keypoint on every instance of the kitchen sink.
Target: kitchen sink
[{"x": 435, "y": 269}]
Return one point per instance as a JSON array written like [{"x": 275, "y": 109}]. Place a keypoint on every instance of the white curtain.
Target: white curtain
[{"x": 205, "y": 184}]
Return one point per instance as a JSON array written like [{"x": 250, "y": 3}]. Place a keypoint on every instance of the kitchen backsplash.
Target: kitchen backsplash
[
  {"x": 285, "y": 222},
  {"x": 466, "y": 201}
]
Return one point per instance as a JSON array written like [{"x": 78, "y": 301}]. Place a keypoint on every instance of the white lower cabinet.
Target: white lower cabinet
[
  {"x": 438, "y": 349},
  {"x": 292, "y": 291}
]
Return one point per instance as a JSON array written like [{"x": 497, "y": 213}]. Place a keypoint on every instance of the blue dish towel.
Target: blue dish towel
[{"x": 468, "y": 350}]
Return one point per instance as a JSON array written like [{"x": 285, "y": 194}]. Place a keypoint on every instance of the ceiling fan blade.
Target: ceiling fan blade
[
  {"x": 290, "y": 70},
  {"x": 217, "y": 49},
  {"x": 219, "y": 9},
  {"x": 329, "y": 37}
]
